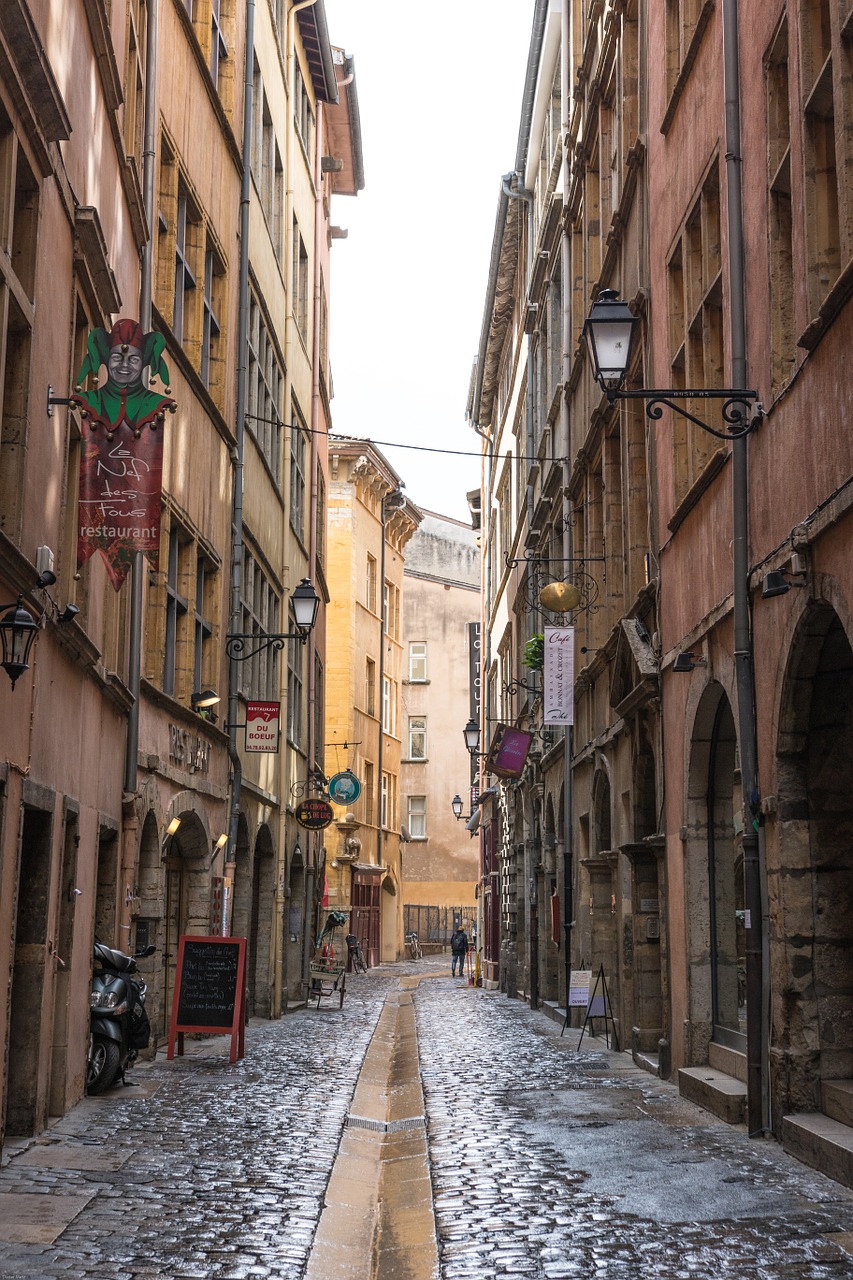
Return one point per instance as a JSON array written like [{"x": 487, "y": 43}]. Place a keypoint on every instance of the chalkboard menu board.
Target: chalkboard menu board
[{"x": 209, "y": 991}]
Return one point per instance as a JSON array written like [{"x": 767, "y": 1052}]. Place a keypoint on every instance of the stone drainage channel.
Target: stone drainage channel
[{"x": 427, "y": 1131}]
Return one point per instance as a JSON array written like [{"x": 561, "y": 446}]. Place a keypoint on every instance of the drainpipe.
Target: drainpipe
[
  {"x": 565, "y": 436},
  {"x": 146, "y": 286},
  {"x": 756, "y": 974},
  {"x": 130, "y": 818},
  {"x": 239, "y": 431}
]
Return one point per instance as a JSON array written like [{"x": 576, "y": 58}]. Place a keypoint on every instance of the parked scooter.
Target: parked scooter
[{"x": 118, "y": 1024}]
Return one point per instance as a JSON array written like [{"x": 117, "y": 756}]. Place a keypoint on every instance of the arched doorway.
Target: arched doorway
[
  {"x": 813, "y": 1014},
  {"x": 299, "y": 923},
  {"x": 263, "y": 922},
  {"x": 242, "y": 892},
  {"x": 187, "y": 897},
  {"x": 600, "y": 867},
  {"x": 389, "y": 924},
  {"x": 645, "y": 853},
  {"x": 149, "y": 924},
  {"x": 716, "y": 915}
]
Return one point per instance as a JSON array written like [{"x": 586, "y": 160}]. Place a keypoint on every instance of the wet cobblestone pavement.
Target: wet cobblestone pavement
[
  {"x": 546, "y": 1162},
  {"x": 561, "y": 1165}
]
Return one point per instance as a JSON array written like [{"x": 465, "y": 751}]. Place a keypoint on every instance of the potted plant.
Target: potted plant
[{"x": 534, "y": 652}]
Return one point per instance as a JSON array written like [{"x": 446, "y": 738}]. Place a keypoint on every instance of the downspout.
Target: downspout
[
  {"x": 130, "y": 817},
  {"x": 240, "y": 428},
  {"x": 565, "y": 436},
  {"x": 146, "y": 289},
  {"x": 757, "y": 978}
]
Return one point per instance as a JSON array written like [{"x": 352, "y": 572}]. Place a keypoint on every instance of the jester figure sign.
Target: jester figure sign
[{"x": 121, "y": 461}]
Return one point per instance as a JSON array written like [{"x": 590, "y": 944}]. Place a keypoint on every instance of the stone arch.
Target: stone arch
[
  {"x": 813, "y": 1011},
  {"x": 716, "y": 937},
  {"x": 299, "y": 920},
  {"x": 149, "y": 927},
  {"x": 186, "y": 902},
  {"x": 242, "y": 890},
  {"x": 645, "y": 809},
  {"x": 262, "y": 924}
]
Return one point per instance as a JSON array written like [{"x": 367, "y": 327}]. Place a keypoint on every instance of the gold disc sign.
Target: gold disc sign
[{"x": 314, "y": 815}]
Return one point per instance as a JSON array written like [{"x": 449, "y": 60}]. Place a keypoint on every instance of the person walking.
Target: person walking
[{"x": 459, "y": 947}]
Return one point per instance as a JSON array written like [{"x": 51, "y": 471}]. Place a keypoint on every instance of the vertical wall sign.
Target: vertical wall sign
[
  {"x": 121, "y": 459},
  {"x": 263, "y": 721},
  {"x": 559, "y": 676}
]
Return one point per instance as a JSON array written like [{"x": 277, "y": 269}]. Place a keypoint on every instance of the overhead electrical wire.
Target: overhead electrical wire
[{"x": 392, "y": 444}]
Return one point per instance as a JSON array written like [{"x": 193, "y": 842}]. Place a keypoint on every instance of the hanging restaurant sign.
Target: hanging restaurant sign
[
  {"x": 121, "y": 457},
  {"x": 263, "y": 725},
  {"x": 508, "y": 752},
  {"x": 558, "y": 675},
  {"x": 344, "y": 787},
  {"x": 314, "y": 815}
]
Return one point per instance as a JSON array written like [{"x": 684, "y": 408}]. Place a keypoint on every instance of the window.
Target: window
[
  {"x": 134, "y": 81},
  {"x": 264, "y": 391},
  {"x": 370, "y": 687},
  {"x": 184, "y": 276},
  {"x": 320, "y": 525},
  {"x": 210, "y": 358},
  {"x": 695, "y": 302},
  {"x": 260, "y": 607},
  {"x": 391, "y": 606},
  {"x": 295, "y": 657},
  {"x": 218, "y": 47},
  {"x": 782, "y": 340},
  {"x": 300, "y": 282},
  {"x": 681, "y": 20},
  {"x": 19, "y": 206},
  {"x": 297, "y": 479},
  {"x": 369, "y": 793},
  {"x": 370, "y": 584},
  {"x": 203, "y": 625},
  {"x": 505, "y": 516},
  {"x": 176, "y": 608},
  {"x": 822, "y": 67},
  {"x": 319, "y": 702},
  {"x": 417, "y": 661},
  {"x": 389, "y": 705},
  {"x": 303, "y": 113},
  {"x": 388, "y": 800},
  {"x": 417, "y": 738},
  {"x": 267, "y": 166},
  {"x": 417, "y": 817}
]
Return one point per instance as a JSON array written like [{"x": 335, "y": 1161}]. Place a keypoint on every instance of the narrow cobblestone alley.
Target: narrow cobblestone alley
[{"x": 544, "y": 1161}]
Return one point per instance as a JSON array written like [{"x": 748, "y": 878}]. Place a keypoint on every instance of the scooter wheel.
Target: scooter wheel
[{"x": 103, "y": 1065}]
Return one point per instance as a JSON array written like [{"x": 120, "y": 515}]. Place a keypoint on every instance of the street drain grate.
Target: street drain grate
[{"x": 386, "y": 1126}]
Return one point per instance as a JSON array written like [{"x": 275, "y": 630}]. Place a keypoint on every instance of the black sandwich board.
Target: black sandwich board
[{"x": 210, "y": 991}]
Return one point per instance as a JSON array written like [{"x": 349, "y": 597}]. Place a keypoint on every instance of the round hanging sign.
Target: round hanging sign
[
  {"x": 344, "y": 788},
  {"x": 314, "y": 815}
]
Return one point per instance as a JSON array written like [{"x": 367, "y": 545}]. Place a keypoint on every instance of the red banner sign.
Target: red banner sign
[
  {"x": 120, "y": 497},
  {"x": 121, "y": 462}
]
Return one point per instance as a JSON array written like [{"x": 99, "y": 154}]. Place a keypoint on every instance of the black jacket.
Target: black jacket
[{"x": 459, "y": 942}]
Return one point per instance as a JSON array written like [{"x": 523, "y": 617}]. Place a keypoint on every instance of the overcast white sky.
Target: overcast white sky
[{"x": 439, "y": 91}]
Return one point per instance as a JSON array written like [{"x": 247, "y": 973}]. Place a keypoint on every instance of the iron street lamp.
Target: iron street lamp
[
  {"x": 18, "y": 630},
  {"x": 471, "y": 733},
  {"x": 457, "y": 806},
  {"x": 611, "y": 331},
  {"x": 306, "y": 604}
]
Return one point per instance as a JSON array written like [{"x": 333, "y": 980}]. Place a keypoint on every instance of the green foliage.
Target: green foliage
[{"x": 534, "y": 652}]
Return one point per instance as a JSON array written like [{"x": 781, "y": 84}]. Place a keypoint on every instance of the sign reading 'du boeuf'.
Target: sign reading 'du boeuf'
[
  {"x": 121, "y": 456},
  {"x": 263, "y": 721},
  {"x": 314, "y": 815}
]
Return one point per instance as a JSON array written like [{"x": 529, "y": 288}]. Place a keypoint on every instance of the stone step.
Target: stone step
[
  {"x": 717, "y": 1092},
  {"x": 730, "y": 1061},
  {"x": 836, "y": 1100},
  {"x": 822, "y": 1143}
]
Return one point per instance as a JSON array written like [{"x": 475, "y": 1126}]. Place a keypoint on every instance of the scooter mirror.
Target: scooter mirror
[{"x": 149, "y": 951}]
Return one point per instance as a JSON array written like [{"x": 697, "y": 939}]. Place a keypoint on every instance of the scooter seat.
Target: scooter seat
[{"x": 112, "y": 959}]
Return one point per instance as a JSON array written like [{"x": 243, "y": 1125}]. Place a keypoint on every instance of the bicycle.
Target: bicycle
[
  {"x": 357, "y": 960},
  {"x": 414, "y": 946}
]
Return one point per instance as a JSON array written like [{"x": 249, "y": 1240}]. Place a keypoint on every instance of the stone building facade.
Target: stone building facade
[
  {"x": 370, "y": 523},
  {"x": 704, "y": 828},
  {"x": 122, "y": 816},
  {"x": 441, "y": 616}
]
